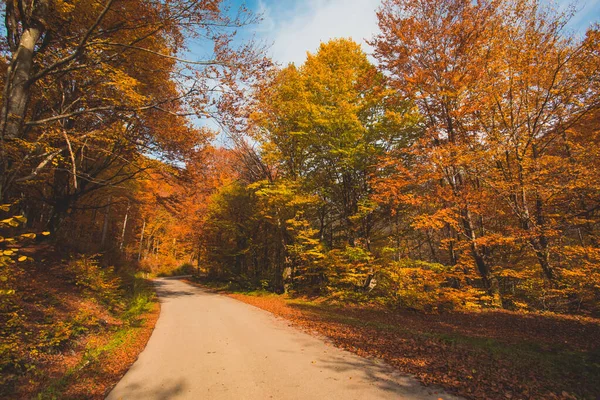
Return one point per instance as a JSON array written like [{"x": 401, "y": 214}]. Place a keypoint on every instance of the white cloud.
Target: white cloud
[
  {"x": 303, "y": 26},
  {"x": 295, "y": 26}
]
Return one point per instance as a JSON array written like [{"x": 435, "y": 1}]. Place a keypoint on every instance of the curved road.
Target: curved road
[{"x": 207, "y": 346}]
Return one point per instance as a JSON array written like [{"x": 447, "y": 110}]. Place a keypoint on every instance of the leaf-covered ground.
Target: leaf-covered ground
[
  {"x": 66, "y": 337},
  {"x": 482, "y": 355}
]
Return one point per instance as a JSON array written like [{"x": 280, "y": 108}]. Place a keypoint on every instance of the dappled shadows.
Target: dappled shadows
[
  {"x": 178, "y": 287},
  {"x": 149, "y": 391},
  {"x": 330, "y": 366},
  {"x": 478, "y": 354},
  {"x": 551, "y": 331},
  {"x": 374, "y": 372},
  {"x": 171, "y": 289},
  {"x": 357, "y": 371},
  {"x": 175, "y": 277}
]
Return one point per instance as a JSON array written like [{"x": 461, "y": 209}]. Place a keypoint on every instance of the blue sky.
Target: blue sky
[{"x": 294, "y": 27}]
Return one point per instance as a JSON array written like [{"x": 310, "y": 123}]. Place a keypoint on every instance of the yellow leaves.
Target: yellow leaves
[
  {"x": 65, "y": 7},
  {"x": 321, "y": 112},
  {"x": 582, "y": 252},
  {"x": 13, "y": 222},
  {"x": 124, "y": 87},
  {"x": 575, "y": 274},
  {"x": 357, "y": 254},
  {"x": 511, "y": 273},
  {"x": 496, "y": 239}
]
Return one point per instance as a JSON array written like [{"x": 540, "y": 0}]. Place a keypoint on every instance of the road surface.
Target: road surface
[{"x": 208, "y": 346}]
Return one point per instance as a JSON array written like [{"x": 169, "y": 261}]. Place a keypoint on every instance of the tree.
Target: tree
[
  {"x": 500, "y": 88},
  {"x": 322, "y": 124},
  {"x": 433, "y": 51},
  {"x": 538, "y": 88},
  {"x": 92, "y": 85}
]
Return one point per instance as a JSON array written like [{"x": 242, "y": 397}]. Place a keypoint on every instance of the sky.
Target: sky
[{"x": 293, "y": 27}]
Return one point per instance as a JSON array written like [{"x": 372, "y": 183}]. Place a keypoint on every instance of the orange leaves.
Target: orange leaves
[
  {"x": 498, "y": 88},
  {"x": 438, "y": 220}
]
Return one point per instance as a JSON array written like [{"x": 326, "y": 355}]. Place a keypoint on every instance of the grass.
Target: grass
[
  {"x": 93, "y": 354},
  {"x": 140, "y": 299}
]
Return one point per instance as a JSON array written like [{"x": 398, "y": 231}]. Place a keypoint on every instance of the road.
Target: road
[{"x": 208, "y": 346}]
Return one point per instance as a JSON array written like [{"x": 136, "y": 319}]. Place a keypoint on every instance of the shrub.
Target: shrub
[
  {"x": 97, "y": 282},
  {"x": 425, "y": 286}
]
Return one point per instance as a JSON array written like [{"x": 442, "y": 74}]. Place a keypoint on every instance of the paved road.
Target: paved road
[{"x": 207, "y": 346}]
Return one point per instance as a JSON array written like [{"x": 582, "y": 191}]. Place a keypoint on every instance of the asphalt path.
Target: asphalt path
[{"x": 208, "y": 346}]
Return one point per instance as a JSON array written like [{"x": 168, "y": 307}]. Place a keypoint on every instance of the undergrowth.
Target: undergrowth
[{"x": 51, "y": 312}]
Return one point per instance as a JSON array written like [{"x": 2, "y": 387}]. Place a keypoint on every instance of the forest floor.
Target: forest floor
[
  {"x": 67, "y": 334},
  {"x": 478, "y": 355}
]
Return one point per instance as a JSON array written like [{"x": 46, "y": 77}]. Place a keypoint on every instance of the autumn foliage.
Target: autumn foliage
[
  {"x": 453, "y": 169},
  {"x": 101, "y": 170},
  {"x": 460, "y": 172}
]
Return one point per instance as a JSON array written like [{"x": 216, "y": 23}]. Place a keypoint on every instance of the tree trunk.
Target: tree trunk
[
  {"x": 141, "y": 240},
  {"x": 105, "y": 226},
  {"x": 124, "y": 228},
  {"x": 490, "y": 282},
  {"x": 18, "y": 74}
]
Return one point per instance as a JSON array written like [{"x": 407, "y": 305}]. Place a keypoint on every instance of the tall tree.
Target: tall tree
[
  {"x": 92, "y": 85},
  {"x": 433, "y": 52}
]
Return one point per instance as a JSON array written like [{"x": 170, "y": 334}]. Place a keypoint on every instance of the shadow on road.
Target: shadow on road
[
  {"x": 146, "y": 391},
  {"x": 375, "y": 372},
  {"x": 163, "y": 290}
]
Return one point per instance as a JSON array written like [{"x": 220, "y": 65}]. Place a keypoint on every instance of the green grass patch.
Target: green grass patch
[{"x": 91, "y": 359}]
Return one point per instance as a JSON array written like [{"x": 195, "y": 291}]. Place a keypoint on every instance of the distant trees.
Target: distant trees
[
  {"x": 321, "y": 127},
  {"x": 460, "y": 171}
]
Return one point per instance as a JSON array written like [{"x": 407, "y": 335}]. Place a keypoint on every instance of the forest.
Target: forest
[
  {"x": 451, "y": 169},
  {"x": 457, "y": 173}
]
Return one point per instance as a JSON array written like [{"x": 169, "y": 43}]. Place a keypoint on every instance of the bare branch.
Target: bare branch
[
  {"x": 78, "y": 49},
  {"x": 210, "y": 62}
]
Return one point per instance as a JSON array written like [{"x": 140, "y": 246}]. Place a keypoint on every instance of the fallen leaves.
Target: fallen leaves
[{"x": 53, "y": 325}]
